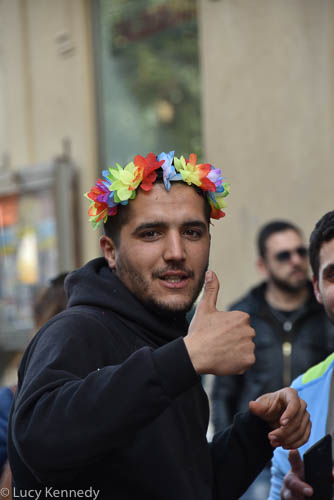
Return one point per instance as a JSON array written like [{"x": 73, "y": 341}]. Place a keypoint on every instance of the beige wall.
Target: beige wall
[
  {"x": 268, "y": 120},
  {"x": 268, "y": 112},
  {"x": 46, "y": 89}
]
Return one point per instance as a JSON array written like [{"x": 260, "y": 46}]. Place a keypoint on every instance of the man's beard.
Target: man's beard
[
  {"x": 287, "y": 286},
  {"x": 168, "y": 310},
  {"x": 140, "y": 287}
]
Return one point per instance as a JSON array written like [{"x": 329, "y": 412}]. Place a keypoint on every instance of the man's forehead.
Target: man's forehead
[
  {"x": 158, "y": 204},
  {"x": 283, "y": 240}
]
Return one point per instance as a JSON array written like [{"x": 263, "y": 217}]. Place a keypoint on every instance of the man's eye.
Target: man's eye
[
  {"x": 148, "y": 235},
  {"x": 329, "y": 276},
  {"x": 193, "y": 233}
]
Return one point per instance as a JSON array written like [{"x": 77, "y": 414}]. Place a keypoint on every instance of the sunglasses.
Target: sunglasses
[{"x": 285, "y": 255}]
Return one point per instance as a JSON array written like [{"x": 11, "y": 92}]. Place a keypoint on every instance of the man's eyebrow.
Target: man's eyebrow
[
  {"x": 195, "y": 223},
  {"x": 149, "y": 225},
  {"x": 161, "y": 224}
]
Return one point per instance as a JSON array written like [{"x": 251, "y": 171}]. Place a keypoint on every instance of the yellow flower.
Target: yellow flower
[
  {"x": 124, "y": 181},
  {"x": 189, "y": 171}
]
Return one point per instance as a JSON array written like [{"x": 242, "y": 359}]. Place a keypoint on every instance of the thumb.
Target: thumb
[
  {"x": 263, "y": 408},
  {"x": 257, "y": 407},
  {"x": 211, "y": 288}
]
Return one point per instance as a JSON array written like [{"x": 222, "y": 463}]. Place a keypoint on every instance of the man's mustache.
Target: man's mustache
[{"x": 298, "y": 269}]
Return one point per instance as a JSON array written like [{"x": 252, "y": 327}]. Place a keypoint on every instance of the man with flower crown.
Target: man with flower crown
[{"x": 110, "y": 403}]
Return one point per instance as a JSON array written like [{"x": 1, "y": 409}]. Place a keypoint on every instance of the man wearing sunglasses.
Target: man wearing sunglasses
[
  {"x": 292, "y": 331},
  {"x": 317, "y": 384}
]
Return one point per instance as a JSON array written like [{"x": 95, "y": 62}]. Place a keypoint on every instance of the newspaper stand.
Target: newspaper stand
[{"x": 37, "y": 241}]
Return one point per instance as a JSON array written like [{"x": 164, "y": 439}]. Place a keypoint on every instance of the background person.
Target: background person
[
  {"x": 316, "y": 385},
  {"x": 292, "y": 330},
  {"x": 49, "y": 301},
  {"x": 6, "y": 399}
]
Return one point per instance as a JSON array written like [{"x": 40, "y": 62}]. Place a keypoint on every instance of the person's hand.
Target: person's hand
[
  {"x": 286, "y": 414},
  {"x": 293, "y": 487},
  {"x": 6, "y": 483},
  {"x": 219, "y": 342}
]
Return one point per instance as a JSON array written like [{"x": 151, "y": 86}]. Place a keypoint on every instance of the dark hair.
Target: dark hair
[
  {"x": 271, "y": 228},
  {"x": 50, "y": 300},
  {"x": 322, "y": 232},
  {"x": 112, "y": 227}
]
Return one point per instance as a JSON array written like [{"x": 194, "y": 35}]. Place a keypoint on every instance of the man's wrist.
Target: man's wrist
[{"x": 195, "y": 354}]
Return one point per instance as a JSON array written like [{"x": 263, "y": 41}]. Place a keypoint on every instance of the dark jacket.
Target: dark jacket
[
  {"x": 108, "y": 399},
  {"x": 280, "y": 355}
]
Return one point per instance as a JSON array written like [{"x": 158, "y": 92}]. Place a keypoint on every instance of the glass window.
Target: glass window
[{"x": 147, "y": 64}]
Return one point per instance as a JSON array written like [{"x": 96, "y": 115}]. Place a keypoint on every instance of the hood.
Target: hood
[{"x": 95, "y": 285}]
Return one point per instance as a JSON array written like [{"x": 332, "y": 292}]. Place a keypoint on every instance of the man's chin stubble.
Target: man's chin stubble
[
  {"x": 287, "y": 287},
  {"x": 167, "y": 310}
]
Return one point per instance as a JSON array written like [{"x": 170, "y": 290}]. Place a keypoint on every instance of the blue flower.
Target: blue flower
[{"x": 169, "y": 172}]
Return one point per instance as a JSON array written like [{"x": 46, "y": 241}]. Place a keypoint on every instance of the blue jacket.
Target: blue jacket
[
  {"x": 314, "y": 387},
  {"x": 6, "y": 399}
]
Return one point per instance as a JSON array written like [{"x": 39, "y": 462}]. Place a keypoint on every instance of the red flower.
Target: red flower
[
  {"x": 149, "y": 165},
  {"x": 216, "y": 213},
  {"x": 204, "y": 170},
  {"x": 97, "y": 190}
]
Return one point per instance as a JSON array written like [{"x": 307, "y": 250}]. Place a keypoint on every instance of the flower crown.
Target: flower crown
[{"x": 120, "y": 183}]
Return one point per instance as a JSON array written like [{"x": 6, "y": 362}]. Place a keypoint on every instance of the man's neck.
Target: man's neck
[{"x": 284, "y": 300}]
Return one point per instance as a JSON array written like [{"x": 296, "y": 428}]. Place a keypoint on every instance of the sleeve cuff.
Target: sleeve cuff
[{"x": 174, "y": 367}]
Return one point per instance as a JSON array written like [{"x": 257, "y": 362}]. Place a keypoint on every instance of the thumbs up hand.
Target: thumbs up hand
[{"x": 219, "y": 342}]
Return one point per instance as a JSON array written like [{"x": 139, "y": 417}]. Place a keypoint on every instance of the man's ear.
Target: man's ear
[
  {"x": 316, "y": 289},
  {"x": 108, "y": 248},
  {"x": 262, "y": 267}
]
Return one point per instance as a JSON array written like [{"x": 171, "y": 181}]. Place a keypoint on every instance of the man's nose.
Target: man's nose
[
  {"x": 174, "y": 247},
  {"x": 296, "y": 258}
]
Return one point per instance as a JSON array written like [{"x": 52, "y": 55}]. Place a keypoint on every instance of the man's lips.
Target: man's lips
[{"x": 174, "y": 279}]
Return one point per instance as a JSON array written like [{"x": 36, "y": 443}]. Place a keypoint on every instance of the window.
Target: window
[{"x": 147, "y": 65}]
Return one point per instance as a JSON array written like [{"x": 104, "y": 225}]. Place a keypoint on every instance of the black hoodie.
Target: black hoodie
[{"x": 108, "y": 401}]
